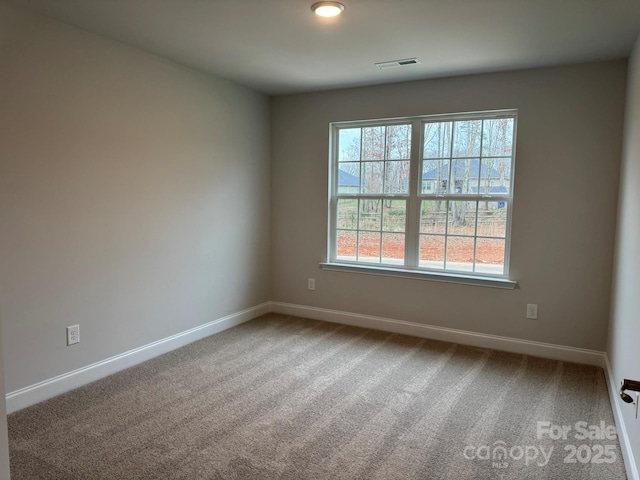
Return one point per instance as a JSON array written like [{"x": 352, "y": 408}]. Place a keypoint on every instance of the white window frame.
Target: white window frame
[{"x": 411, "y": 267}]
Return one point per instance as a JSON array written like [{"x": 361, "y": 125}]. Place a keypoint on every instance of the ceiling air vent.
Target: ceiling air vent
[{"x": 398, "y": 63}]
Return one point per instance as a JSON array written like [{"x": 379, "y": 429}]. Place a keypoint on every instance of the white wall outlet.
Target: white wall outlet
[
  {"x": 311, "y": 283},
  {"x": 532, "y": 311},
  {"x": 73, "y": 334}
]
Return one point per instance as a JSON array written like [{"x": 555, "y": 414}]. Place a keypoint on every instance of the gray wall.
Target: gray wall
[
  {"x": 134, "y": 197},
  {"x": 566, "y": 181},
  {"x": 624, "y": 328},
  {"x": 4, "y": 438}
]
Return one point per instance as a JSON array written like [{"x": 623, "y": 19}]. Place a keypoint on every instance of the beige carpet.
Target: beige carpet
[{"x": 284, "y": 397}]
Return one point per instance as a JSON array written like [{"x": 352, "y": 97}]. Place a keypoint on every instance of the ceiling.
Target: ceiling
[{"x": 280, "y": 46}]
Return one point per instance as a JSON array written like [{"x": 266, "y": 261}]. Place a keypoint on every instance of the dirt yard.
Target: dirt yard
[{"x": 460, "y": 249}]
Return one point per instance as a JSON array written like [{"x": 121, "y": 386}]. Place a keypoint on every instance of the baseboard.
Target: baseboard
[
  {"x": 506, "y": 344},
  {"x": 33, "y": 394},
  {"x": 621, "y": 427}
]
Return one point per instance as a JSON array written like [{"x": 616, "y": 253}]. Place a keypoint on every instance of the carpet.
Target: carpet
[{"x": 283, "y": 397}]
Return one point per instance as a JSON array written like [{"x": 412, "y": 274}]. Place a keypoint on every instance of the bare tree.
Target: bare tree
[{"x": 379, "y": 157}]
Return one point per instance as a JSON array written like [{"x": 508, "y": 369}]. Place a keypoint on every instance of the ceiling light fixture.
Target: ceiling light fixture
[{"x": 327, "y": 9}]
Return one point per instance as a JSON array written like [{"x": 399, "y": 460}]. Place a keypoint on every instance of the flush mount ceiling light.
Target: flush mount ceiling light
[{"x": 327, "y": 9}]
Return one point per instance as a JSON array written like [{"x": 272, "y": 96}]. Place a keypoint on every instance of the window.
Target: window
[{"x": 429, "y": 194}]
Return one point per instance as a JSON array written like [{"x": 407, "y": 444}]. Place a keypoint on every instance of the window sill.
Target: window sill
[{"x": 463, "y": 279}]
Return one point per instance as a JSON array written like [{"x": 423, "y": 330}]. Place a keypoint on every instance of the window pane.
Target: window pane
[
  {"x": 372, "y": 175},
  {"x": 393, "y": 248},
  {"x": 460, "y": 253},
  {"x": 462, "y": 218},
  {"x": 394, "y": 217},
  {"x": 464, "y": 176},
  {"x": 348, "y": 214},
  {"x": 369, "y": 247},
  {"x": 373, "y": 143},
  {"x": 466, "y": 138},
  {"x": 431, "y": 251},
  {"x": 490, "y": 256},
  {"x": 497, "y": 137},
  {"x": 349, "y": 178},
  {"x": 437, "y": 140},
  {"x": 349, "y": 145},
  {"x": 370, "y": 217},
  {"x": 435, "y": 177},
  {"x": 396, "y": 177},
  {"x": 398, "y": 142},
  {"x": 492, "y": 219},
  {"x": 433, "y": 216},
  {"x": 495, "y": 176},
  {"x": 463, "y": 192},
  {"x": 347, "y": 242}
]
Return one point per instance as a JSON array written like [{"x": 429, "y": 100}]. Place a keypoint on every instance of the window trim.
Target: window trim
[
  {"x": 410, "y": 267},
  {"x": 447, "y": 277}
]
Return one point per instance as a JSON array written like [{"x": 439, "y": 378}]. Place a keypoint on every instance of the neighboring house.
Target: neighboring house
[
  {"x": 435, "y": 180},
  {"x": 348, "y": 183}
]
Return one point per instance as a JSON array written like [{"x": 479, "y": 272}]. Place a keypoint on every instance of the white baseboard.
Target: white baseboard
[
  {"x": 33, "y": 394},
  {"x": 621, "y": 427},
  {"x": 506, "y": 344}
]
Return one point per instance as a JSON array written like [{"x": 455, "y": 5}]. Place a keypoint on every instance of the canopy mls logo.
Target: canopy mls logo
[
  {"x": 500, "y": 455},
  {"x": 583, "y": 430}
]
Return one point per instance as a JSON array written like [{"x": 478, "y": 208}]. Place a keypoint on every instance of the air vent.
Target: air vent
[{"x": 398, "y": 63}]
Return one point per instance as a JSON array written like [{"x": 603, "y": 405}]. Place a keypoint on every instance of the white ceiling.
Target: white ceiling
[{"x": 279, "y": 46}]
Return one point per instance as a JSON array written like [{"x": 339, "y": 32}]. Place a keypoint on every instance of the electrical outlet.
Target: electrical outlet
[
  {"x": 532, "y": 311},
  {"x": 73, "y": 334},
  {"x": 311, "y": 283}
]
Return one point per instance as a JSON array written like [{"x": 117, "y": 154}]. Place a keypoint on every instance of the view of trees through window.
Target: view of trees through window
[{"x": 460, "y": 198}]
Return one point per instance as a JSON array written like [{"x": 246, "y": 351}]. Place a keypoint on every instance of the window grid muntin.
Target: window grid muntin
[
  {"x": 417, "y": 145},
  {"x": 457, "y": 118},
  {"x": 447, "y": 235},
  {"x": 381, "y": 224}
]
